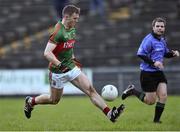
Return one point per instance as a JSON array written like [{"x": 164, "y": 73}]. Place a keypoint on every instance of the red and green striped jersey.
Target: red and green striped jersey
[{"x": 65, "y": 40}]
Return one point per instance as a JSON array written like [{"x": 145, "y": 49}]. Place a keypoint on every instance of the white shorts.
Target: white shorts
[{"x": 57, "y": 80}]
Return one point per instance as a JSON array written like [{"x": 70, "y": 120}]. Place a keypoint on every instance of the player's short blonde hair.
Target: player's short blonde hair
[{"x": 70, "y": 9}]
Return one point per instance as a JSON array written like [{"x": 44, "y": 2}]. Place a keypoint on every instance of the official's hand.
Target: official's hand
[
  {"x": 175, "y": 53},
  {"x": 159, "y": 65}
]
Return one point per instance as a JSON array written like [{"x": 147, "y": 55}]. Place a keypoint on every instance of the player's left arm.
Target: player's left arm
[{"x": 48, "y": 53}]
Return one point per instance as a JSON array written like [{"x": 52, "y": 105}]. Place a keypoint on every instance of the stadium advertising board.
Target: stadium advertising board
[{"x": 21, "y": 82}]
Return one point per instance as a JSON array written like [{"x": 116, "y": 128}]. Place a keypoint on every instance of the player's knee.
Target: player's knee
[{"x": 163, "y": 96}]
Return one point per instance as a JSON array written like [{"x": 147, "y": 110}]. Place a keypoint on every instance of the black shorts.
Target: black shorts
[{"x": 150, "y": 80}]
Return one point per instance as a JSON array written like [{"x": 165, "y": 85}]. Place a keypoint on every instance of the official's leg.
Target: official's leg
[
  {"x": 146, "y": 97},
  {"x": 130, "y": 90},
  {"x": 148, "y": 85},
  {"x": 150, "y": 98},
  {"x": 162, "y": 97},
  {"x": 162, "y": 92}
]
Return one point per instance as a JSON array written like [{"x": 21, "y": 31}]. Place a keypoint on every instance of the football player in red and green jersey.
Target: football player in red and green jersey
[{"x": 64, "y": 67}]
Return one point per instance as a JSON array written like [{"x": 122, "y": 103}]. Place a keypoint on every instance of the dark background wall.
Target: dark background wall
[{"x": 107, "y": 36}]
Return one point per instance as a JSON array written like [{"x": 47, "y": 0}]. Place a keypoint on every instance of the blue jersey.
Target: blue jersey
[{"x": 153, "y": 48}]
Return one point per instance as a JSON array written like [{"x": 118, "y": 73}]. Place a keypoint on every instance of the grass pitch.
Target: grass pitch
[{"x": 78, "y": 114}]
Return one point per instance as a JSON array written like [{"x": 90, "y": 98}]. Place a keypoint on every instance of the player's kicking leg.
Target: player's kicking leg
[
  {"x": 84, "y": 84},
  {"x": 115, "y": 113}
]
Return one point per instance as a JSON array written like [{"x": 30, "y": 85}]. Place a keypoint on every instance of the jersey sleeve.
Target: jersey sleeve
[
  {"x": 166, "y": 48},
  {"x": 168, "y": 53},
  {"x": 145, "y": 47},
  {"x": 56, "y": 36}
]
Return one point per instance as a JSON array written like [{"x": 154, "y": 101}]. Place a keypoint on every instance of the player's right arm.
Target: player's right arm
[
  {"x": 51, "y": 45},
  {"x": 48, "y": 53},
  {"x": 55, "y": 40}
]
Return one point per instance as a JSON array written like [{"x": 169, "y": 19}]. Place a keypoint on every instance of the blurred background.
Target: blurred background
[{"x": 108, "y": 36}]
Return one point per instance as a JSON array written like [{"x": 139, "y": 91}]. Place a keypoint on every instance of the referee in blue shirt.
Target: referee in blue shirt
[{"x": 152, "y": 51}]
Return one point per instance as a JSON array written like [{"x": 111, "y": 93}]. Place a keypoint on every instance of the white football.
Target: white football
[{"x": 109, "y": 92}]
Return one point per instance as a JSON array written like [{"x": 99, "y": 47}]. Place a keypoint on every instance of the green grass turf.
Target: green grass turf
[{"x": 77, "y": 113}]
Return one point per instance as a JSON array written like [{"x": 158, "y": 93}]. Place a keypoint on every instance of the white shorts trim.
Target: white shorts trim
[{"x": 57, "y": 80}]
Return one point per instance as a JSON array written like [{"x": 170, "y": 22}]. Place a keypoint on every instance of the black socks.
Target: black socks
[
  {"x": 139, "y": 95},
  {"x": 158, "y": 111}
]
